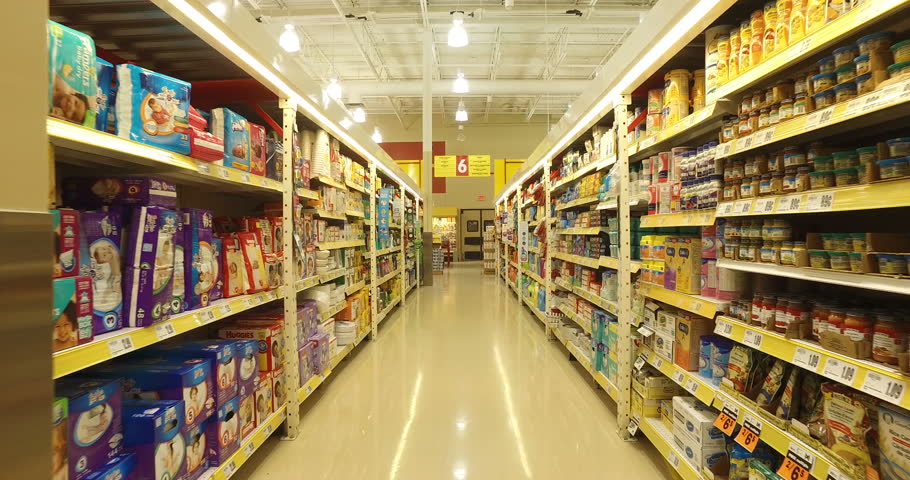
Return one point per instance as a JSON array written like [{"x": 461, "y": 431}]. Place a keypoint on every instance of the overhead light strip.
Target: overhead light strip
[
  {"x": 667, "y": 41},
  {"x": 200, "y": 19}
]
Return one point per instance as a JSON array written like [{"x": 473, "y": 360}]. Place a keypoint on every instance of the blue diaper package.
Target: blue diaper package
[
  {"x": 71, "y": 66},
  {"x": 233, "y": 129},
  {"x": 220, "y": 352},
  {"x": 153, "y": 431},
  {"x": 104, "y": 99},
  {"x": 121, "y": 467},
  {"x": 94, "y": 425},
  {"x": 196, "y": 452},
  {"x": 153, "y": 108},
  {"x": 224, "y": 432},
  {"x": 102, "y": 235}
]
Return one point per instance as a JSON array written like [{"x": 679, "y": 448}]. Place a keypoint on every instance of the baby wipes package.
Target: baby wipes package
[
  {"x": 73, "y": 84},
  {"x": 94, "y": 428},
  {"x": 149, "y": 272},
  {"x": 235, "y": 132},
  {"x": 223, "y": 432},
  {"x": 101, "y": 241},
  {"x": 153, "y": 108},
  {"x": 201, "y": 263},
  {"x": 72, "y": 313},
  {"x": 153, "y": 431}
]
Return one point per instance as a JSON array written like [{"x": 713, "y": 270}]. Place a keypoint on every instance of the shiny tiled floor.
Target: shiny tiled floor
[{"x": 460, "y": 384}]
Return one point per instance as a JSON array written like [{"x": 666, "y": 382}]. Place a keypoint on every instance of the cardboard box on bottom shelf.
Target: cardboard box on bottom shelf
[
  {"x": 695, "y": 421},
  {"x": 666, "y": 413},
  {"x": 645, "y": 407}
]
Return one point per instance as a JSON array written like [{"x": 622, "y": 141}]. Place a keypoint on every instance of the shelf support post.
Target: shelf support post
[
  {"x": 624, "y": 379},
  {"x": 374, "y": 306},
  {"x": 548, "y": 238}
]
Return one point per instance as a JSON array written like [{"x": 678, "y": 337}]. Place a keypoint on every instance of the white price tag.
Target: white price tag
[
  {"x": 731, "y": 410},
  {"x": 841, "y": 371},
  {"x": 752, "y": 423},
  {"x": 753, "y": 339},
  {"x": 245, "y": 177},
  {"x": 258, "y": 299},
  {"x": 854, "y": 107},
  {"x": 835, "y": 474},
  {"x": 644, "y": 331},
  {"x": 890, "y": 92},
  {"x": 725, "y": 209},
  {"x": 640, "y": 361},
  {"x": 679, "y": 377},
  {"x": 741, "y": 144},
  {"x": 819, "y": 202},
  {"x": 230, "y": 469},
  {"x": 724, "y": 328},
  {"x": 225, "y": 309},
  {"x": 872, "y": 100},
  {"x": 207, "y": 316},
  {"x": 248, "y": 302},
  {"x": 692, "y": 386},
  {"x": 633, "y": 424},
  {"x": 795, "y": 51},
  {"x": 764, "y": 136},
  {"x": 812, "y": 120},
  {"x": 307, "y": 391},
  {"x": 673, "y": 458},
  {"x": 825, "y": 116},
  {"x": 689, "y": 121},
  {"x": 724, "y": 149},
  {"x": 884, "y": 387},
  {"x": 658, "y": 362},
  {"x": 805, "y": 457},
  {"x": 223, "y": 173},
  {"x": 268, "y": 430},
  {"x": 203, "y": 167},
  {"x": 765, "y": 205},
  {"x": 249, "y": 449},
  {"x": 264, "y": 181},
  {"x": 806, "y": 358},
  {"x": 165, "y": 330},
  {"x": 743, "y": 207},
  {"x": 789, "y": 204},
  {"x": 121, "y": 345}
]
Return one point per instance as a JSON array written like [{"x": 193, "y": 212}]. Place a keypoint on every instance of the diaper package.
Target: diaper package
[
  {"x": 255, "y": 265},
  {"x": 206, "y": 146},
  {"x": 94, "y": 193},
  {"x": 247, "y": 413},
  {"x": 223, "y": 432},
  {"x": 258, "y": 149},
  {"x": 217, "y": 247},
  {"x": 71, "y": 70},
  {"x": 220, "y": 353},
  {"x": 67, "y": 252},
  {"x": 266, "y": 330},
  {"x": 149, "y": 271},
  {"x": 263, "y": 398},
  {"x": 201, "y": 262},
  {"x": 94, "y": 428},
  {"x": 196, "y": 454},
  {"x": 104, "y": 99},
  {"x": 307, "y": 318},
  {"x": 59, "y": 463},
  {"x": 279, "y": 387},
  {"x": 233, "y": 130},
  {"x": 178, "y": 284},
  {"x": 152, "y": 430},
  {"x": 232, "y": 266},
  {"x": 72, "y": 313},
  {"x": 247, "y": 353},
  {"x": 153, "y": 108},
  {"x": 273, "y": 157},
  {"x": 101, "y": 241},
  {"x": 304, "y": 362},
  {"x": 121, "y": 467}
]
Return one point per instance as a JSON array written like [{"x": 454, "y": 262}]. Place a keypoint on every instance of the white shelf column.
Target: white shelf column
[
  {"x": 292, "y": 372},
  {"x": 624, "y": 343}
]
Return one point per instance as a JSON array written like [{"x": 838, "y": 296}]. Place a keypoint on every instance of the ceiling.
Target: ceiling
[{"x": 515, "y": 59}]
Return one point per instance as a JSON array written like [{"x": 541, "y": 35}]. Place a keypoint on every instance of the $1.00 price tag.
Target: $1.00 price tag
[
  {"x": 726, "y": 421},
  {"x": 750, "y": 433}
]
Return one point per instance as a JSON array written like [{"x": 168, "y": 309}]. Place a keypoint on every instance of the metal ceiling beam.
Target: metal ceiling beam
[
  {"x": 372, "y": 88},
  {"x": 556, "y": 56},
  {"x": 424, "y": 13}
]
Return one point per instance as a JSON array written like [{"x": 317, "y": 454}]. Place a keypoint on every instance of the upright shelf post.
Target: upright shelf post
[
  {"x": 624, "y": 378},
  {"x": 402, "y": 254},
  {"x": 292, "y": 374},
  {"x": 374, "y": 306},
  {"x": 548, "y": 327}
]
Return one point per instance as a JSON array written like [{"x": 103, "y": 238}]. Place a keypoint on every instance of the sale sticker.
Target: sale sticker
[
  {"x": 750, "y": 433},
  {"x": 726, "y": 420}
]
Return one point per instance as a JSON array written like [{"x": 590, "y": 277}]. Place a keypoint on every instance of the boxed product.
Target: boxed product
[
  {"x": 247, "y": 412},
  {"x": 59, "y": 464},
  {"x": 221, "y": 354},
  {"x": 666, "y": 413},
  {"x": 687, "y": 265},
  {"x": 121, "y": 467},
  {"x": 666, "y": 322},
  {"x": 694, "y": 422},
  {"x": 232, "y": 267},
  {"x": 97, "y": 192},
  {"x": 663, "y": 346},
  {"x": 253, "y": 262},
  {"x": 266, "y": 331},
  {"x": 101, "y": 238},
  {"x": 247, "y": 351},
  {"x": 689, "y": 330},
  {"x": 894, "y": 434},
  {"x": 274, "y": 156},
  {"x": 149, "y": 271},
  {"x": 206, "y": 146},
  {"x": 258, "y": 149},
  {"x": 645, "y": 407},
  {"x": 153, "y": 108},
  {"x": 104, "y": 99},
  {"x": 307, "y": 318},
  {"x": 279, "y": 387},
  {"x": 196, "y": 454},
  {"x": 93, "y": 427},
  {"x": 201, "y": 262},
  {"x": 223, "y": 432},
  {"x": 321, "y": 359},
  {"x": 304, "y": 362},
  {"x": 655, "y": 386},
  {"x": 236, "y": 136},
  {"x": 73, "y": 85},
  {"x": 178, "y": 284},
  {"x": 264, "y": 404},
  {"x": 153, "y": 431},
  {"x": 699, "y": 456},
  {"x": 67, "y": 254},
  {"x": 72, "y": 313}
]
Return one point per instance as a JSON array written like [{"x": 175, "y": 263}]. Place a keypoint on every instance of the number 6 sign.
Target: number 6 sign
[{"x": 461, "y": 166}]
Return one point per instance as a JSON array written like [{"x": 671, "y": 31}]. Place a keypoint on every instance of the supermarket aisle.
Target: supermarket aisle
[{"x": 462, "y": 384}]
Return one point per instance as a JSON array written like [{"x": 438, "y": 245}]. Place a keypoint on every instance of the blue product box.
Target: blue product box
[
  {"x": 121, "y": 467},
  {"x": 196, "y": 453},
  {"x": 104, "y": 100},
  {"x": 247, "y": 351},
  {"x": 94, "y": 426},
  {"x": 153, "y": 431},
  {"x": 152, "y": 109},
  {"x": 71, "y": 70},
  {"x": 223, "y": 432},
  {"x": 220, "y": 353},
  {"x": 233, "y": 129}
]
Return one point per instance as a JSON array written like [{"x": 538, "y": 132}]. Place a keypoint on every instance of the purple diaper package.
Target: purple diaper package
[
  {"x": 94, "y": 428},
  {"x": 94, "y": 193},
  {"x": 308, "y": 318},
  {"x": 178, "y": 284},
  {"x": 121, "y": 467},
  {"x": 216, "y": 292},
  {"x": 149, "y": 271},
  {"x": 102, "y": 237},
  {"x": 305, "y": 362},
  {"x": 247, "y": 353},
  {"x": 222, "y": 355},
  {"x": 223, "y": 432},
  {"x": 196, "y": 451},
  {"x": 201, "y": 261},
  {"x": 153, "y": 431}
]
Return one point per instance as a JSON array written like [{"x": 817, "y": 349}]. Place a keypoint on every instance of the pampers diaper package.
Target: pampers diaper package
[
  {"x": 94, "y": 429},
  {"x": 150, "y": 266},
  {"x": 201, "y": 262},
  {"x": 216, "y": 292},
  {"x": 178, "y": 285},
  {"x": 153, "y": 108},
  {"x": 73, "y": 84},
  {"x": 121, "y": 467},
  {"x": 69, "y": 262},
  {"x": 92, "y": 193},
  {"x": 101, "y": 241},
  {"x": 234, "y": 131},
  {"x": 153, "y": 431},
  {"x": 104, "y": 100},
  {"x": 72, "y": 312},
  {"x": 223, "y": 432}
]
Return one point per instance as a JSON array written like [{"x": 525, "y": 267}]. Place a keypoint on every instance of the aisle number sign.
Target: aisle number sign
[{"x": 462, "y": 166}]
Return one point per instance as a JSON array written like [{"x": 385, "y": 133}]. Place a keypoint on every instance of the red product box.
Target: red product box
[
  {"x": 267, "y": 332},
  {"x": 257, "y": 149},
  {"x": 206, "y": 146},
  {"x": 197, "y": 121}
]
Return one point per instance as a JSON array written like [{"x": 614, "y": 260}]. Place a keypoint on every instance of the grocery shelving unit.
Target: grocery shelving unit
[{"x": 874, "y": 203}]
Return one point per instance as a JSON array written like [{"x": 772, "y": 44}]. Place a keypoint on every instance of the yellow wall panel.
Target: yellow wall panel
[
  {"x": 414, "y": 169},
  {"x": 505, "y": 168}
]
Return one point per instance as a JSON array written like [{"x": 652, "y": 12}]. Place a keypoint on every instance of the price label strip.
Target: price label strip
[
  {"x": 633, "y": 424},
  {"x": 841, "y": 371},
  {"x": 223, "y": 173},
  {"x": 249, "y": 449},
  {"x": 207, "y": 316},
  {"x": 808, "y": 359},
  {"x": 723, "y": 328},
  {"x": 789, "y": 204},
  {"x": 743, "y": 207},
  {"x": 820, "y": 202},
  {"x": 691, "y": 386},
  {"x": 750, "y": 433},
  {"x": 726, "y": 209},
  {"x": 165, "y": 330},
  {"x": 884, "y": 387},
  {"x": 726, "y": 420},
  {"x": 121, "y": 345},
  {"x": 225, "y": 309},
  {"x": 797, "y": 464},
  {"x": 230, "y": 469},
  {"x": 679, "y": 377},
  {"x": 640, "y": 361},
  {"x": 753, "y": 339},
  {"x": 673, "y": 458},
  {"x": 766, "y": 205}
]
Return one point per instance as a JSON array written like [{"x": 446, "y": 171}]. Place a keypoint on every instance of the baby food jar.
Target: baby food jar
[
  {"x": 794, "y": 157},
  {"x": 856, "y": 262},
  {"x": 861, "y": 64},
  {"x": 844, "y": 92},
  {"x": 800, "y": 104},
  {"x": 738, "y": 169},
  {"x": 774, "y": 114},
  {"x": 825, "y": 65},
  {"x": 845, "y": 55},
  {"x": 901, "y": 51},
  {"x": 845, "y": 159},
  {"x": 764, "y": 117},
  {"x": 819, "y": 259},
  {"x": 845, "y": 73},
  {"x": 786, "y": 253},
  {"x": 781, "y": 230},
  {"x": 898, "y": 69},
  {"x": 899, "y": 147},
  {"x": 858, "y": 242},
  {"x": 786, "y": 109},
  {"x": 824, "y": 99},
  {"x": 823, "y": 81},
  {"x": 728, "y": 134},
  {"x": 731, "y": 248},
  {"x": 858, "y": 326},
  {"x": 843, "y": 242},
  {"x": 758, "y": 99},
  {"x": 827, "y": 241},
  {"x": 747, "y": 250},
  {"x": 821, "y": 180},
  {"x": 819, "y": 314},
  {"x": 889, "y": 338},
  {"x": 746, "y": 105},
  {"x": 764, "y": 186},
  {"x": 745, "y": 128},
  {"x": 823, "y": 163},
  {"x": 839, "y": 261},
  {"x": 802, "y": 179},
  {"x": 875, "y": 41},
  {"x": 845, "y": 176},
  {"x": 789, "y": 184},
  {"x": 894, "y": 168},
  {"x": 836, "y": 317},
  {"x": 754, "y": 120},
  {"x": 745, "y": 189},
  {"x": 864, "y": 84},
  {"x": 891, "y": 264},
  {"x": 777, "y": 183}
]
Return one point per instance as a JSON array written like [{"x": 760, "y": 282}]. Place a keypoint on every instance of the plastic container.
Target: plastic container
[
  {"x": 839, "y": 261},
  {"x": 842, "y": 242},
  {"x": 819, "y": 259},
  {"x": 894, "y": 168},
  {"x": 898, "y": 69},
  {"x": 844, "y": 92},
  {"x": 861, "y": 64},
  {"x": 824, "y": 81},
  {"x": 826, "y": 65},
  {"x": 901, "y": 51},
  {"x": 856, "y": 262},
  {"x": 891, "y": 264},
  {"x": 845, "y": 55},
  {"x": 858, "y": 242},
  {"x": 862, "y": 173},
  {"x": 824, "y": 163},
  {"x": 875, "y": 41},
  {"x": 845, "y": 176},
  {"x": 828, "y": 241},
  {"x": 899, "y": 147},
  {"x": 824, "y": 99},
  {"x": 845, "y": 73},
  {"x": 821, "y": 180},
  {"x": 867, "y": 154},
  {"x": 845, "y": 159},
  {"x": 864, "y": 84}
]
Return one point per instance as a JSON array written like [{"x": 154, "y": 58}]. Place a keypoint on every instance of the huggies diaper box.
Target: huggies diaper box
[
  {"x": 150, "y": 265},
  {"x": 201, "y": 263},
  {"x": 267, "y": 333},
  {"x": 94, "y": 193},
  {"x": 279, "y": 387},
  {"x": 263, "y": 397},
  {"x": 72, "y": 312},
  {"x": 101, "y": 240},
  {"x": 121, "y": 467},
  {"x": 247, "y": 353},
  {"x": 222, "y": 355},
  {"x": 223, "y": 432},
  {"x": 73, "y": 84},
  {"x": 153, "y": 431},
  {"x": 153, "y": 108},
  {"x": 235, "y": 133},
  {"x": 247, "y": 413},
  {"x": 69, "y": 261},
  {"x": 196, "y": 451},
  {"x": 94, "y": 428}
]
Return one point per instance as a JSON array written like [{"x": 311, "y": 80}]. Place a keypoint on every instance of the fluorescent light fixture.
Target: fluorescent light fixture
[
  {"x": 345, "y": 122},
  {"x": 377, "y": 137},
  {"x": 612, "y": 97},
  {"x": 218, "y": 8},
  {"x": 458, "y": 36},
  {"x": 333, "y": 89},
  {"x": 357, "y": 112},
  {"x": 289, "y": 40},
  {"x": 461, "y": 115},
  {"x": 461, "y": 84}
]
